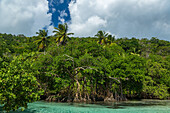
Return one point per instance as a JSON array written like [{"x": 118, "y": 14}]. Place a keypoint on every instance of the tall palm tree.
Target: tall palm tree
[
  {"x": 104, "y": 38},
  {"x": 102, "y": 35},
  {"x": 110, "y": 39},
  {"x": 42, "y": 33},
  {"x": 42, "y": 39},
  {"x": 61, "y": 34}
]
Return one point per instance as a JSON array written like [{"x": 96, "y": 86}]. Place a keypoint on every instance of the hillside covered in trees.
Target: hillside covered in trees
[{"x": 100, "y": 68}]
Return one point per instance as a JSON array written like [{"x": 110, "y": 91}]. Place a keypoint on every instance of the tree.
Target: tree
[
  {"x": 102, "y": 35},
  {"x": 157, "y": 79},
  {"x": 61, "y": 34},
  {"x": 131, "y": 67},
  {"x": 42, "y": 33},
  {"x": 18, "y": 86},
  {"x": 105, "y": 38},
  {"x": 110, "y": 39},
  {"x": 42, "y": 39}
]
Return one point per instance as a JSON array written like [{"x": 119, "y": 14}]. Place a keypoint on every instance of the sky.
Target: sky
[{"x": 122, "y": 18}]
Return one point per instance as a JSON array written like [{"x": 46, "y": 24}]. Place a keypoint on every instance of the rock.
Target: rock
[
  {"x": 76, "y": 100},
  {"x": 107, "y": 99},
  {"x": 53, "y": 99}
]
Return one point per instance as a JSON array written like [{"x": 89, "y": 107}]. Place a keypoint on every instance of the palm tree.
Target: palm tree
[
  {"x": 102, "y": 37},
  {"x": 110, "y": 39},
  {"x": 42, "y": 33},
  {"x": 42, "y": 39},
  {"x": 61, "y": 34}
]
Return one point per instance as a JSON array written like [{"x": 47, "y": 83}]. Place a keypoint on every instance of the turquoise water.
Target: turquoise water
[{"x": 144, "y": 106}]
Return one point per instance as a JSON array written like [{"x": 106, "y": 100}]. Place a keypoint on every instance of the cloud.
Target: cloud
[
  {"x": 53, "y": 10},
  {"x": 63, "y": 14},
  {"x": 124, "y": 18},
  {"x": 50, "y": 30},
  {"x": 88, "y": 27},
  {"x": 61, "y": 1},
  {"x": 23, "y": 16}
]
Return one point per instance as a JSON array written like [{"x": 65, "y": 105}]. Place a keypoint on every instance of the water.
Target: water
[{"x": 144, "y": 106}]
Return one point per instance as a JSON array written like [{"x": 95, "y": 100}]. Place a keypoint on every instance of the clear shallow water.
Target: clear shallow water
[{"x": 145, "y": 106}]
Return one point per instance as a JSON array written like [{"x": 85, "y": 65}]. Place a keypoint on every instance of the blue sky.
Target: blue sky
[
  {"x": 56, "y": 7},
  {"x": 122, "y": 18}
]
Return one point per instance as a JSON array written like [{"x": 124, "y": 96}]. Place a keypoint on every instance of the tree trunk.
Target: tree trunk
[
  {"x": 121, "y": 90},
  {"x": 76, "y": 99}
]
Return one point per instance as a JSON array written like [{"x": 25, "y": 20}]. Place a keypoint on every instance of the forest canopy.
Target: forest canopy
[{"x": 62, "y": 68}]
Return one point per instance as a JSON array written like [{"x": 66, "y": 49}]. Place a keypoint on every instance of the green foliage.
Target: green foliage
[
  {"x": 42, "y": 40},
  {"x": 104, "y": 38},
  {"x": 18, "y": 85},
  {"x": 61, "y": 34},
  {"x": 82, "y": 69},
  {"x": 155, "y": 90}
]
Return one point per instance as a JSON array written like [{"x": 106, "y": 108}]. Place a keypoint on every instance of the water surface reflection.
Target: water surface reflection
[{"x": 143, "y": 106}]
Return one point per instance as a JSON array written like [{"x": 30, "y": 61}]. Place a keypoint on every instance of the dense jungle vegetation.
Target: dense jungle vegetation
[{"x": 62, "y": 68}]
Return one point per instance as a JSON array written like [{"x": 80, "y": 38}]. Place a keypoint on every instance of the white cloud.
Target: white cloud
[
  {"x": 62, "y": 20},
  {"x": 62, "y": 15},
  {"x": 50, "y": 30},
  {"x": 131, "y": 18},
  {"x": 61, "y": 1},
  {"x": 90, "y": 26},
  {"x": 23, "y": 16},
  {"x": 53, "y": 10}
]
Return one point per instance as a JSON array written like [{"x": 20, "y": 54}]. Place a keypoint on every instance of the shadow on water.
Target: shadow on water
[
  {"x": 118, "y": 105},
  {"x": 40, "y": 106},
  {"x": 1, "y": 110},
  {"x": 18, "y": 111},
  {"x": 25, "y": 111},
  {"x": 96, "y": 105},
  {"x": 141, "y": 104}
]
